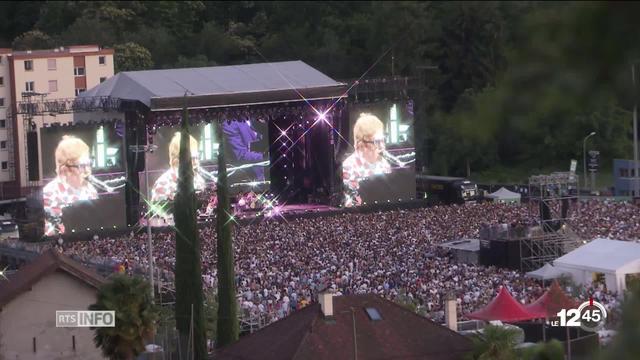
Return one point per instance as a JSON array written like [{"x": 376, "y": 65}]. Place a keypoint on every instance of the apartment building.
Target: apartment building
[{"x": 38, "y": 75}]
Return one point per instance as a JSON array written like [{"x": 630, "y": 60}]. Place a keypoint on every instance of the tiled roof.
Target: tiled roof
[
  {"x": 307, "y": 334},
  {"x": 45, "y": 264}
]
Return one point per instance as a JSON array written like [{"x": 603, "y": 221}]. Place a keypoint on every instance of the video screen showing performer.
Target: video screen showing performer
[
  {"x": 240, "y": 137},
  {"x": 246, "y": 156},
  {"x": 84, "y": 183},
  {"x": 165, "y": 187},
  {"x": 380, "y": 168}
]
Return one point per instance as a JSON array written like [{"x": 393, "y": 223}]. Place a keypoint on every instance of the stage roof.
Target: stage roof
[{"x": 220, "y": 86}]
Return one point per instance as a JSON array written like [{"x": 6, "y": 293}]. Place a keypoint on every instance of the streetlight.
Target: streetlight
[{"x": 584, "y": 156}]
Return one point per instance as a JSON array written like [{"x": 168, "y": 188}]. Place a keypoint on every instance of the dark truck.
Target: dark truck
[{"x": 444, "y": 190}]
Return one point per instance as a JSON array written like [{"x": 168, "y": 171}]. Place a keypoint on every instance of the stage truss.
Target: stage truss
[{"x": 557, "y": 195}]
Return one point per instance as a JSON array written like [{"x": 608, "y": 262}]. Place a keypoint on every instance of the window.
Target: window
[
  {"x": 28, "y": 65},
  {"x": 1, "y": 102},
  {"x": 374, "y": 314},
  {"x": 5, "y": 165},
  {"x": 624, "y": 172},
  {"x": 29, "y": 86},
  {"x": 79, "y": 91},
  {"x": 3, "y": 144},
  {"x": 51, "y": 64},
  {"x": 78, "y": 71},
  {"x": 3, "y": 124},
  {"x": 53, "y": 85},
  {"x": 102, "y": 60},
  {"x": 1, "y": 81},
  {"x": 102, "y": 79}
]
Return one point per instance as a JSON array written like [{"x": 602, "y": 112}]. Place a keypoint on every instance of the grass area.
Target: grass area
[{"x": 520, "y": 175}]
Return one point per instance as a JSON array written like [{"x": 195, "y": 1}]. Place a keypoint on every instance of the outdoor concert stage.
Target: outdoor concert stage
[{"x": 286, "y": 130}]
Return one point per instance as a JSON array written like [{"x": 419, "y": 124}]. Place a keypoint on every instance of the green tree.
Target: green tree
[
  {"x": 552, "y": 350},
  {"x": 228, "y": 327},
  {"x": 17, "y": 17},
  {"x": 211, "y": 314},
  {"x": 495, "y": 343},
  {"x": 189, "y": 295},
  {"x": 131, "y": 56},
  {"x": 33, "y": 40},
  {"x": 625, "y": 345},
  {"x": 136, "y": 317}
]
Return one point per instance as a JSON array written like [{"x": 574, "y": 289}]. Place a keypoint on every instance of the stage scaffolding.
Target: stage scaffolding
[{"x": 554, "y": 203}]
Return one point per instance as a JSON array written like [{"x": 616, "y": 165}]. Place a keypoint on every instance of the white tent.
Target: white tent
[
  {"x": 505, "y": 196},
  {"x": 613, "y": 258},
  {"x": 547, "y": 272}
]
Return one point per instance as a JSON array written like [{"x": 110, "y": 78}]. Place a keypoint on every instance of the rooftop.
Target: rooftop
[
  {"x": 45, "y": 264},
  {"x": 393, "y": 332},
  {"x": 220, "y": 85}
]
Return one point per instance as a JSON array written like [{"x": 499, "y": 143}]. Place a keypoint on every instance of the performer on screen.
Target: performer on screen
[
  {"x": 366, "y": 160},
  {"x": 165, "y": 188},
  {"x": 73, "y": 168},
  {"x": 239, "y": 135}
]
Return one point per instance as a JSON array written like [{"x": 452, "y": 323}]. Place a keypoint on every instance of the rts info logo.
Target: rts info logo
[{"x": 84, "y": 318}]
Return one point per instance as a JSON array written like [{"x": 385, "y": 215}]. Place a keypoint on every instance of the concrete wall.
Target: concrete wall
[{"x": 32, "y": 315}]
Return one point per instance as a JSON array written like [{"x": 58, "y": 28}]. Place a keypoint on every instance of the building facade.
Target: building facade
[
  {"x": 33, "y": 76},
  {"x": 29, "y": 299},
  {"x": 624, "y": 174}
]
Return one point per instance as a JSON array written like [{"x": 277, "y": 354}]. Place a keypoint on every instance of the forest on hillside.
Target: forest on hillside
[{"x": 510, "y": 85}]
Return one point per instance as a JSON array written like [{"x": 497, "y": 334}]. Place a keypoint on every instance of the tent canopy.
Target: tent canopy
[
  {"x": 505, "y": 195},
  {"x": 547, "y": 272},
  {"x": 552, "y": 301},
  {"x": 507, "y": 309},
  {"x": 603, "y": 255},
  {"x": 220, "y": 85}
]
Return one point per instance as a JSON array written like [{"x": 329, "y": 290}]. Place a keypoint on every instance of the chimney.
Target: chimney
[
  {"x": 326, "y": 303},
  {"x": 450, "y": 313}
]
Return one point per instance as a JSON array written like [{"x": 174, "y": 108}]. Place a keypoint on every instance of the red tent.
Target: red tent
[
  {"x": 506, "y": 309},
  {"x": 552, "y": 301}
]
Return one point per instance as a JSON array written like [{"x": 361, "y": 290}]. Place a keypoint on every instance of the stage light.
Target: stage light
[
  {"x": 101, "y": 227},
  {"x": 88, "y": 229},
  {"x": 73, "y": 230},
  {"x": 284, "y": 133}
]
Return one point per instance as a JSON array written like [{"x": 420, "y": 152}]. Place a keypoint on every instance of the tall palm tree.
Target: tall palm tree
[
  {"x": 495, "y": 343},
  {"x": 136, "y": 317}
]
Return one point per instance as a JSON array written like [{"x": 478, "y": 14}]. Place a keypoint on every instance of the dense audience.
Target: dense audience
[{"x": 281, "y": 265}]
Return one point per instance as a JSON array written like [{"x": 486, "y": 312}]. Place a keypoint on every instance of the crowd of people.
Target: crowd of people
[{"x": 281, "y": 265}]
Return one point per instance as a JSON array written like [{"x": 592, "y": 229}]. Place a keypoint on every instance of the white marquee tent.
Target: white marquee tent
[
  {"x": 613, "y": 258},
  {"x": 547, "y": 272},
  {"x": 505, "y": 196}
]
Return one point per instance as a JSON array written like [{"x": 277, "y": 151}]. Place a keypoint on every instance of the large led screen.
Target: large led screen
[
  {"x": 84, "y": 178},
  {"x": 246, "y": 154},
  {"x": 380, "y": 164}
]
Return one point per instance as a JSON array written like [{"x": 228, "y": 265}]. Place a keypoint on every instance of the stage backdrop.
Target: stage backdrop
[
  {"x": 83, "y": 173},
  {"x": 246, "y": 152},
  {"x": 379, "y": 163}
]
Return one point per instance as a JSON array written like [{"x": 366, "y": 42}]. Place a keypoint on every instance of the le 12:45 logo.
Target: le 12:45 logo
[{"x": 590, "y": 316}]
